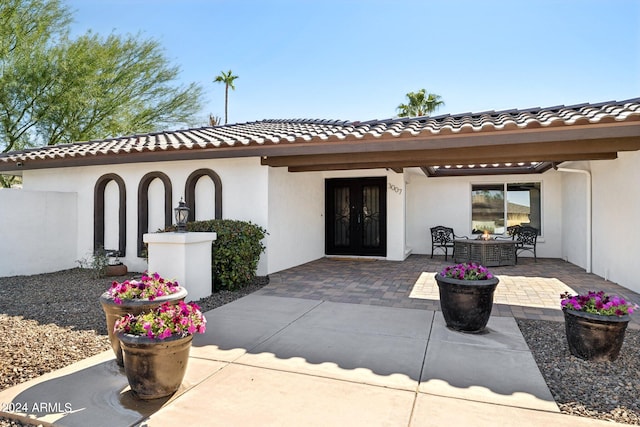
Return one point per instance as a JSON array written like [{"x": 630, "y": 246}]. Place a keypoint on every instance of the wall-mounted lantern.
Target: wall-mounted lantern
[{"x": 182, "y": 214}]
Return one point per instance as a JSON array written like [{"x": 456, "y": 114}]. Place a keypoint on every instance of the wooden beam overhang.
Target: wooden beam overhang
[
  {"x": 430, "y": 162},
  {"x": 534, "y": 152}
]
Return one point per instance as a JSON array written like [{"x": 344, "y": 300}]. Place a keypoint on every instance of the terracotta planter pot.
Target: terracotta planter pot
[
  {"x": 594, "y": 337},
  {"x": 155, "y": 368},
  {"x": 115, "y": 311},
  {"x": 466, "y": 304},
  {"x": 116, "y": 270}
]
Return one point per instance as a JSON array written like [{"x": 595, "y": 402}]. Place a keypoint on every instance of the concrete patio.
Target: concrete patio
[
  {"x": 528, "y": 290},
  {"x": 345, "y": 348}
]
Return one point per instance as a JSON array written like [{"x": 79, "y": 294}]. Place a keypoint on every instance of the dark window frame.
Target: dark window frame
[
  {"x": 190, "y": 192},
  {"x": 143, "y": 205},
  {"x": 98, "y": 213},
  {"x": 505, "y": 185}
]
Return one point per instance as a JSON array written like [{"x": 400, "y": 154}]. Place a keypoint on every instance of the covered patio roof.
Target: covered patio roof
[{"x": 510, "y": 141}]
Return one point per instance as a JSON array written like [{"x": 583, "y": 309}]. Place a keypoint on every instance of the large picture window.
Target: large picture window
[{"x": 494, "y": 207}]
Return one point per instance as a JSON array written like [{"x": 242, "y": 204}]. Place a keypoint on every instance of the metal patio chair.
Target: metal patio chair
[
  {"x": 526, "y": 238},
  {"x": 442, "y": 238}
]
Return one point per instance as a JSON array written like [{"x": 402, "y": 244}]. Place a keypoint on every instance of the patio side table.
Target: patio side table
[{"x": 489, "y": 253}]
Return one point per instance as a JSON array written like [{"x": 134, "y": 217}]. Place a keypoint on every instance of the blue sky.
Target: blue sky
[{"x": 356, "y": 59}]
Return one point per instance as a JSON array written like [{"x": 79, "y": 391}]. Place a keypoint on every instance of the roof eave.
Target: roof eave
[{"x": 619, "y": 136}]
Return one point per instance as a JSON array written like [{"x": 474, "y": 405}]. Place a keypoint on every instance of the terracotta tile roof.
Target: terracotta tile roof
[{"x": 267, "y": 133}]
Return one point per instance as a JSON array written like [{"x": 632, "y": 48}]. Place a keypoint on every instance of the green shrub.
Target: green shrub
[{"x": 236, "y": 251}]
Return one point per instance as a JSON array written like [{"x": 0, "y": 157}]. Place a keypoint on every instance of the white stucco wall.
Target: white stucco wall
[
  {"x": 447, "y": 201},
  {"x": 616, "y": 211},
  {"x": 574, "y": 215},
  {"x": 296, "y": 218},
  {"x": 396, "y": 217},
  {"x": 291, "y": 207},
  {"x": 245, "y": 192},
  {"x": 38, "y": 232}
]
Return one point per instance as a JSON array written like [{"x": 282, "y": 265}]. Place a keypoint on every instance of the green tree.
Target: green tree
[
  {"x": 226, "y": 78},
  {"x": 113, "y": 86},
  {"x": 55, "y": 89},
  {"x": 420, "y": 104}
]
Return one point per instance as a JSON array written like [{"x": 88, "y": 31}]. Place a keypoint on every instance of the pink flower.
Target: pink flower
[
  {"x": 164, "y": 321},
  {"x": 148, "y": 287}
]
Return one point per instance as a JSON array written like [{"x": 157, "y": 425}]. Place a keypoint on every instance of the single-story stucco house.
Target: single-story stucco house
[{"x": 342, "y": 188}]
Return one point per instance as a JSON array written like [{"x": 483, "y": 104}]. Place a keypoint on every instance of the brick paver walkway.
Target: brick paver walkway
[{"x": 528, "y": 290}]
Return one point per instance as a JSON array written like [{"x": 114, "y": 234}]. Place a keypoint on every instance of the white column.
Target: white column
[
  {"x": 589, "y": 214},
  {"x": 185, "y": 257}
]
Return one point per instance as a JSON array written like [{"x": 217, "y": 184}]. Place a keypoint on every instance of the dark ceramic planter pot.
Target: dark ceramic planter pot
[
  {"x": 594, "y": 337},
  {"x": 115, "y": 311},
  {"x": 155, "y": 368},
  {"x": 466, "y": 304}
]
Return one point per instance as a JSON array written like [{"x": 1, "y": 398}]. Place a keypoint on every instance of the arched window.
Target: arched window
[
  {"x": 190, "y": 192},
  {"x": 143, "y": 205},
  {"x": 99, "y": 212}
]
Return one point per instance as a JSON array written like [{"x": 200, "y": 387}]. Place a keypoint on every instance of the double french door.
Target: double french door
[{"x": 356, "y": 216}]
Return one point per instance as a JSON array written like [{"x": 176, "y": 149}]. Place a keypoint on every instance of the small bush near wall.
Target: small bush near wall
[{"x": 235, "y": 252}]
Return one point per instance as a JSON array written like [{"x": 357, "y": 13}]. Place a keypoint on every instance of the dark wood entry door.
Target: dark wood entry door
[{"x": 356, "y": 216}]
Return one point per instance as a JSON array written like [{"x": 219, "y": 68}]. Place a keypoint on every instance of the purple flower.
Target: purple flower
[
  {"x": 597, "y": 303},
  {"x": 471, "y": 271}
]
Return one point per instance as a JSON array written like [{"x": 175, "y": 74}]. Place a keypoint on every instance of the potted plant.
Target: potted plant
[
  {"x": 114, "y": 266},
  {"x": 156, "y": 347},
  {"x": 135, "y": 296},
  {"x": 595, "y": 324},
  {"x": 466, "y": 296}
]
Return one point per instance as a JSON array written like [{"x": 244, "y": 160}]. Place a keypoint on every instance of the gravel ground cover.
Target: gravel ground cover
[
  {"x": 49, "y": 321},
  {"x": 603, "y": 390}
]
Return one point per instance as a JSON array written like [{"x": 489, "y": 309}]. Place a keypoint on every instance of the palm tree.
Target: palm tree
[
  {"x": 227, "y": 79},
  {"x": 214, "y": 120},
  {"x": 420, "y": 104}
]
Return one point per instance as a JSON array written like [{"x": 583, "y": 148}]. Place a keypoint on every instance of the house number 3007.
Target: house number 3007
[{"x": 395, "y": 189}]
